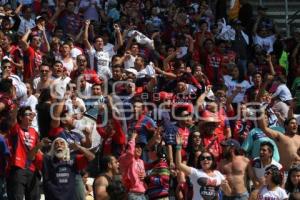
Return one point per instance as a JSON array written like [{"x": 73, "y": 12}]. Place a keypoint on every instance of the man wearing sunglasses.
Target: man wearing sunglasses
[{"x": 22, "y": 178}]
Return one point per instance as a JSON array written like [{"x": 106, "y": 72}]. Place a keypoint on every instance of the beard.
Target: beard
[{"x": 60, "y": 154}]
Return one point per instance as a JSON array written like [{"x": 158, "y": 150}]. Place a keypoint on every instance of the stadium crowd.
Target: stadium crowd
[{"x": 152, "y": 99}]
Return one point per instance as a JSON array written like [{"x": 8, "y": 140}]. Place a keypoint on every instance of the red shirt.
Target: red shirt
[
  {"x": 212, "y": 143},
  {"x": 213, "y": 67},
  {"x": 89, "y": 75},
  {"x": 223, "y": 125},
  {"x": 118, "y": 138},
  {"x": 15, "y": 54},
  {"x": 21, "y": 142},
  {"x": 32, "y": 61}
]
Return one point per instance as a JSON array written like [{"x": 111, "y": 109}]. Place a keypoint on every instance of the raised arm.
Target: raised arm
[
  {"x": 191, "y": 43},
  {"x": 23, "y": 42},
  {"x": 46, "y": 42},
  {"x": 201, "y": 98},
  {"x": 56, "y": 112},
  {"x": 119, "y": 38},
  {"x": 169, "y": 58},
  {"x": 86, "y": 153},
  {"x": 86, "y": 35},
  {"x": 269, "y": 61},
  {"x": 60, "y": 7},
  {"x": 183, "y": 167},
  {"x": 254, "y": 29},
  {"x": 264, "y": 127},
  {"x": 169, "y": 75},
  {"x": 43, "y": 143},
  {"x": 87, "y": 140}
]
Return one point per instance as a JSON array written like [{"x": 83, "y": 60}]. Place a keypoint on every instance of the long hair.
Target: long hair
[
  {"x": 289, "y": 187},
  {"x": 277, "y": 177},
  {"x": 66, "y": 151}
]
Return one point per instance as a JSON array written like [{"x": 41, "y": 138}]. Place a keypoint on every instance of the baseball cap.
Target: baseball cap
[
  {"x": 132, "y": 70},
  {"x": 231, "y": 143}
]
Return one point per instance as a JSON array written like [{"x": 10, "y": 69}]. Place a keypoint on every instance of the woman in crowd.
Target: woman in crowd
[
  {"x": 292, "y": 184},
  {"x": 272, "y": 189},
  {"x": 205, "y": 178}
]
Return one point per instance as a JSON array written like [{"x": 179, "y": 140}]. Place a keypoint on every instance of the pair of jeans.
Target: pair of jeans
[
  {"x": 243, "y": 196},
  {"x": 79, "y": 188},
  {"x": 136, "y": 196},
  {"x": 23, "y": 183}
]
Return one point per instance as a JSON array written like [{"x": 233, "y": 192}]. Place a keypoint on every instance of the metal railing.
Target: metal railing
[{"x": 291, "y": 20}]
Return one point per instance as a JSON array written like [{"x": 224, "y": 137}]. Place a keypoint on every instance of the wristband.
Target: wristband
[{"x": 178, "y": 147}]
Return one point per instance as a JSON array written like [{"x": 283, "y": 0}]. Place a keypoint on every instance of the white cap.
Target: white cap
[{"x": 132, "y": 70}]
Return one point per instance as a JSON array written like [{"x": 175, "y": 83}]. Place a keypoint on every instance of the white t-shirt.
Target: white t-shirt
[
  {"x": 69, "y": 65},
  {"x": 109, "y": 48},
  {"x": 232, "y": 85},
  {"x": 71, "y": 108},
  {"x": 21, "y": 90},
  {"x": 99, "y": 61},
  {"x": 266, "y": 43},
  {"x": 277, "y": 194},
  {"x": 32, "y": 101},
  {"x": 260, "y": 170},
  {"x": 212, "y": 187},
  {"x": 283, "y": 93},
  {"x": 86, "y": 92},
  {"x": 130, "y": 62}
]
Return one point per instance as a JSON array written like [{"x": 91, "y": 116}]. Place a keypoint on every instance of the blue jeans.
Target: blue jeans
[
  {"x": 79, "y": 193},
  {"x": 136, "y": 196},
  {"x": 243, "y": 196}
]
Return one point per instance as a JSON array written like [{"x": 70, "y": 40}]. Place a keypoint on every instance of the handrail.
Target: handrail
[{"x": 293, "y": 17}]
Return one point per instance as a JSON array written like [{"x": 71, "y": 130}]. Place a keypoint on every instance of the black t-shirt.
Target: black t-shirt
[{"x": 44, "y": 118}]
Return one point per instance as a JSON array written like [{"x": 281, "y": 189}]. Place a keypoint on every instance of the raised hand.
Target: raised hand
[
  {"x": 87, "y": 23},
  {"x": 74, "y": 146},
  {"x": 41, "y": 27},
  {"x": 117, "y": 27}
]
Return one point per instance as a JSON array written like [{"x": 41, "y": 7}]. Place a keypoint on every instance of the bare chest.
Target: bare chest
[{"x": 235, "y": 168}]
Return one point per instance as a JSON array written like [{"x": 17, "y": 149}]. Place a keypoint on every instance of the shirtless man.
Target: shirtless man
[
  {"x": 288, "y": 143},
  {"x": 236, "y": 168},
  {"x": 44, "y": 81},
  {"x": 111, "y": 168}
]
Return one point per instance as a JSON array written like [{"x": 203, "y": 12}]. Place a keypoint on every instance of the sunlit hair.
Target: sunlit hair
[{"x": 66, "y": 151}]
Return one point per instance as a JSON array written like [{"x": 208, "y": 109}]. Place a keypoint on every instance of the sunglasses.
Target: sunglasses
[
  {"x": 205, "y": 158},
  {"x": 6, "y": 66}
]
